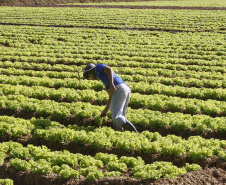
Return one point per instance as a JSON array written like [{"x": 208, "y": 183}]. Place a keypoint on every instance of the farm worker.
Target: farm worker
[{"x": 118, "y": 91}]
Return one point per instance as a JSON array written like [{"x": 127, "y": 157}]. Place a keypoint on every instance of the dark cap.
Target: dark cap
[{"x": 88, "y": 68}]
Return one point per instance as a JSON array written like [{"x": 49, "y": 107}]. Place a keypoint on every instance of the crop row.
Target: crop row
[
  {"x": 97, "y": 85},
  {"x": 135, "y": 40},
  {"x": 40, "y": 66},
  {"x": 195, "y": 147},
  {"x": 53, "y": 45},
  {"x": 18, "y": 127},
  {"x": 184, "y": 3},
  {"x": 153, "y": 102},
  {"x": 103, "y": 54},
  {"x": 81, "y": 110},
  {"x": 170, "y": 72},
  {"x": 147, "y": 50},
  {"x": 47, "y": 40},
  {"x": 156, "y": 59},
  {"x": 117, "y": 18},
  {"x": 68, "y": 71},
  {"x": 177, "y": 104},
  {"x": 149, "y": 69},
  {"x": 217, "y": 58},
  {"x": 156, "y": 68},
  {"x": 67, "y": 165},
  {"x": 138, "y": 78},
  {"x": 182, "y": 48},
  {"x": 201, "y": 71},
  {"x": 41, "y": 92}
]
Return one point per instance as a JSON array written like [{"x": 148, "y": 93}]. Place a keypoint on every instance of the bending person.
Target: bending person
[{"x": 118, "y": 91}]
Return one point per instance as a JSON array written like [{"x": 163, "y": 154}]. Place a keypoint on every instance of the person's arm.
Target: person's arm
[
  {"x": 109, "y": 73},
  {"x": 112, "y": 88},
  {"x": 105, "y": 111}
]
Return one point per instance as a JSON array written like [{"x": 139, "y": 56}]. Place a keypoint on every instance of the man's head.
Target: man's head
[{"x": 90, "y": 71}]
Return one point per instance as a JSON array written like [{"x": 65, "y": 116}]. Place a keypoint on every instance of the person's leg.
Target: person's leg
[
  {"x": 126, "y": 103},
  {"x": 119, "y": 104}
]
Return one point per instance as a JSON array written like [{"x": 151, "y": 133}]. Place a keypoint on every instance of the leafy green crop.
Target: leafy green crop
[
  {"x": 6, "y": 182},
  {"x": 42, "y": 160}
]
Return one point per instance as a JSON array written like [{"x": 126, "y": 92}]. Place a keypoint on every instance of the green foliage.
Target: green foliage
[
  {"x": 192, "y": 167},
  {"x": 106, "y": 158},
  {"x": 6, "y": 182},
  {"x": 112, "y": 174},
  {"x": 2, "y": 157},
  {"x": 41, "y": 166},
  {"x": 157, "y": 170},
  {"x": 116, "y": 166},
  {"x": 67, "y": 172},
  {"x": 20, "y": 164},
  {"x": 131, "y": 161},
  {"x": 91, "y": 173}
]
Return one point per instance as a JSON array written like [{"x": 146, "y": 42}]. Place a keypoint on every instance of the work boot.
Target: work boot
[
  {"x": 129, "y": 126},
  {"x": 118, "y": 128}
]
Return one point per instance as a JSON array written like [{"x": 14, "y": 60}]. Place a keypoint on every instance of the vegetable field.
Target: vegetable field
[{"x": 174, "y": 61}]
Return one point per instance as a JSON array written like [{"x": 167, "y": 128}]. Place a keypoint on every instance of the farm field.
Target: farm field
[
  {"x": 180, "y": 3},
  {"x": 174, "y": 61}
]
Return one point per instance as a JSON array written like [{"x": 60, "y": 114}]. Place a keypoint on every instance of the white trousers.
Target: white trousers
[{"x": 119, "y": 104}]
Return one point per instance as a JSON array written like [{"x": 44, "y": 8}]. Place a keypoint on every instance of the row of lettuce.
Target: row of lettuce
[
  {"x": 163, "y": 78},
  {"x": 158, "y": 102},
  {"x": 209, "y": 62},
  {"x": 133, "y": 47},
  {"x": 156, "y": 68},
  {"x": 30, "y": 79},
  {"x": 55, "y": 79},
  {"x": 179, "y": 4},
  {"x": 81, "y": 110},
  {"x": 145, "y": 90},
  {"x": 195, "y": 147},
  {"x": 68, "y": 165},
  {"x": 182, "y": 20},
  {"x": 173, "y": 60},
  {"x": 152, "y": 70}
]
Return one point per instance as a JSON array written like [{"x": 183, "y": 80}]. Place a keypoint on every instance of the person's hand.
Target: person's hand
[
  {"x": 104, "y": 113},
  {"x": 112, "y": 89}
]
